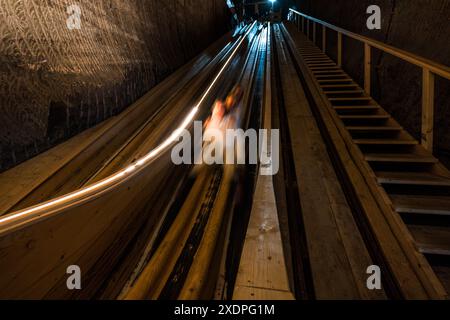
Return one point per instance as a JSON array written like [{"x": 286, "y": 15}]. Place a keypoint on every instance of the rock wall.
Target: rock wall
[
  {"x": 419, "y": 26},
  {"x": 57, "y": 80}
]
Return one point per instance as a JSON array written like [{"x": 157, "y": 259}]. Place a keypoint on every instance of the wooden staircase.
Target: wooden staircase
[{"x": 416, "y": 182}]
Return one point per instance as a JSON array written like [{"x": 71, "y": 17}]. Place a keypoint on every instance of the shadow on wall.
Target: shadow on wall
[
  {"x": 56, "y": 82},
  {"x": 421, "y": 27}
]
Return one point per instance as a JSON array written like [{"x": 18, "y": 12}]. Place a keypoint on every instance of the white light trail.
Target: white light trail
[{"x": 141, "y": 162}]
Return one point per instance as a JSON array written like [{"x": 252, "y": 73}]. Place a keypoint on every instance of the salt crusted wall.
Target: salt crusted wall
[
  {"x": 56, "y": 82},
  {"x": 419, "y": 26}
]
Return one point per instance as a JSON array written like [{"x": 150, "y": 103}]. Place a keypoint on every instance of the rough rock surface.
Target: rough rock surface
[
  {"x": 56, "y": 82},
  {"x": 421, "y": 27}
]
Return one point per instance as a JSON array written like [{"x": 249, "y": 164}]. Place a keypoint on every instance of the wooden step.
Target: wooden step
[
  {"x": 326, "y": 68},
  {"x": 336, "y": 76},
  {"x": 331, "y": 86},
  {"x": 431, "y": 239},
  {"x": 412, "y": 178},
  {"x": 420, "y": 204},
  {"x": 314, "y": 55},
  {"x": 364, "y": 117},
  {"x": 400, "y": 157},
  {"x": 316, "y": 60},
  {"x": 368, "y": 99},
  {"x": 373, "y": 129},
  {"x": 335, "y": 81},
  {"x": 322, "y": 64},
  {"x": 385, "y": 142},
  {"x": 321, "y": 72},
  {"x": 346, "y": 92}
]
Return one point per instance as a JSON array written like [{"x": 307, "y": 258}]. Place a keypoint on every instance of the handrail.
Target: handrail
[
  {"x": 436, "y": 68},
  {"x": 429, "y": 68}
]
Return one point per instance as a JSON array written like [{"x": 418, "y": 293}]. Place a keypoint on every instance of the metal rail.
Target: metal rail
[{"x": 429, "y": 68}]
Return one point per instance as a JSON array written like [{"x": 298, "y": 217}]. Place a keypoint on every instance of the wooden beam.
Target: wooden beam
[
  {"x": 307, "y": 28},
  {"x": 367, "y": 68},
  {"x": 427, "y": 109},
  {"x": 314, "y": 32},
  {"x": 339, "y": 49}
]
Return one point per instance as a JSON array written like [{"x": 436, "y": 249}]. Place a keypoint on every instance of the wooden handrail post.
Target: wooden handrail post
[
  {"x": 303, "y": 24},
  {"x": 339, "y": 49},
  {"x": 324, "y": 39},
  {"x": 314, "y": 32},
  {"x": 307, "y": 28},
  {"x": 367, "y": 68},
  {"x": 427, "y": 109}
]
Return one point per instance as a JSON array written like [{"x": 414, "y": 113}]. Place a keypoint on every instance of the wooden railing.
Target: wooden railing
[{"x": 429, "y": 68}]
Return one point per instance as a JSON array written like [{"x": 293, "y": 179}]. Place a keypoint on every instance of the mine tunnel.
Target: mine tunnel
[{"x": 225, "y": 150}]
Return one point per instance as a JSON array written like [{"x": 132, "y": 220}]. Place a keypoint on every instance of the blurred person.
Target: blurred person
[{"x": 234, "y": 15}]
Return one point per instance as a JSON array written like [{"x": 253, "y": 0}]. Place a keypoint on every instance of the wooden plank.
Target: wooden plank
[
  {"x": 432, "y": 239},
  {"x": 326, "y": 68},
  {"x": 262, "y": 262},
  {"x": 311, "y": 54},
  {"x": 367, "y": 68},
  {"x": 350, "y": 99},
  {"x": 364, "y": 117},
  {"x": 251, "y": 293},
  {"x": 427, "y": 109},
  {"x": 314, "y": 32},
  {"x": 372, "y": 128},
  {"x": 354, "y": 85},
  {"x": 318, "y": 59},
  {"x": 345, "y": 91},
  {"x": 338, "y": 72},
  {"x": 412, "y": 178},
  {"x": 324, "y": 39},
  {"x": 339, "y": 49},
  {"x": 335, "y": 81},
  {"x": 420, "y": 204},
  {"x": 399, "y": 157},
  {"x": 307, "y": 27},
  {"x": 385, "y": 142},
  {"x": 339, "y": 76}
]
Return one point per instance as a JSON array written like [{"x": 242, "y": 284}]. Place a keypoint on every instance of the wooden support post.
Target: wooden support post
[
  {"x": 314, "y": 32},
  {"x": 303, "y": 24},
  {"x": 427, "y": 109},
  {"x": 307, "y": 28},
  {"x": 339, "y": 49},
  {"x": 324, "y": 39},
  {"x": 367, "y": 68}
]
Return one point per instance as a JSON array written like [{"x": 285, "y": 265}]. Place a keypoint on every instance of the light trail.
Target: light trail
[{"x": 133, "y": 167}]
